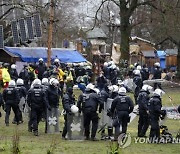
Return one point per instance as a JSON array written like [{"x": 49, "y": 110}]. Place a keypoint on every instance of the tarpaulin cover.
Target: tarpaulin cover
[
  {"x": 161, "y": 54},
  {"x": 32, "y": 54}
]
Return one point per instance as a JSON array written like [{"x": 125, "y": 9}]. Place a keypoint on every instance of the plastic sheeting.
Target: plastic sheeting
[{"x": 33, "y": 54}]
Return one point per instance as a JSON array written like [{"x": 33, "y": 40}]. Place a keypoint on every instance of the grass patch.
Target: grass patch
[{"x": 30, "y": 144}]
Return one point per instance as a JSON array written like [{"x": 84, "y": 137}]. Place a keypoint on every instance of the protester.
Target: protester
[{"x": 5, "y": 75}]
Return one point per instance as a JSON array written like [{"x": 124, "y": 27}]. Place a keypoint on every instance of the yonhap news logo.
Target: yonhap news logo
[{"x": 125, "y": 140}]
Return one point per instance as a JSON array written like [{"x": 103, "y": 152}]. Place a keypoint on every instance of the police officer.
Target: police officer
[
  {"x": 41, "y": 68},
  {"x": 138, "y": 82},
  {"x": 123, "y": 105},
  {"x": 22, "y": 94},
  {"x": 36, "y": 100},
  {"x": 88, "y": 103},
  {"x": 145, "y": 73},
  {"x": 11, "y": 99},
  {"x": 157, "y": 75},
  {"x": 52, "y": 96},
  {"x": 154, "y": 105},
  {"x": 105, "y": 95},
  {"x": 143, "y": 100},
  {"x": 68, "y": 101},
  {"x": 13, "y": 73}
]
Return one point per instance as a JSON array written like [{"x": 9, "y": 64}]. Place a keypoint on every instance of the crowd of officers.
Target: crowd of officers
[{"x": 42, "y": 88}]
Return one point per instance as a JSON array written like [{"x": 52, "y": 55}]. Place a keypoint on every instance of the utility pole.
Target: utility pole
[{"x": 50, "y": 31}]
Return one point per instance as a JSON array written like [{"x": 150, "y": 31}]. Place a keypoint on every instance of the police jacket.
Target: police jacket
[
  {"x": 67, "y": 101},
  {"x": 36, "y": 97},
  {"x": 14, "y": 75},
  {"x": 122, "y": 103},
  {"x": 157, "y": 73},
  {"x": 104, "y": 95},
  {"x": 41, "y": 68},
  {"x": 21, "y": 91},
  {"x": 89, "y": 101},
  {"x": 11, "y": 96},
  {"x": 53, "y": 95},
  {"x": 143, "y": 99},
  {"x": 155, "y": 105},
  {"x": 138, "y": 81},
  {"x": 1, "y": 100},
  {"x": 145, "y": 74}
]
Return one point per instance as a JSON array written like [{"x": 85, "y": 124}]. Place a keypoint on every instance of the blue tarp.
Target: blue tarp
[
  {"x": 161, "y": 54},
  {"x": 162, "y": 57},
  {"x": 32, "y": 54}
]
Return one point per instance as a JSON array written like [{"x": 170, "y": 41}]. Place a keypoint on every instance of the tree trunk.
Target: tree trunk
[
  {"x": 178, "y": 62},
  {"x": 124, "y": 46}
]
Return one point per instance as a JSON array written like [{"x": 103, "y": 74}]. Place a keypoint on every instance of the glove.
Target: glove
[
  {"x": 109, "y": 113},
  {"x": 163, "y": 113},
  {"x": 49, "y": 107}
]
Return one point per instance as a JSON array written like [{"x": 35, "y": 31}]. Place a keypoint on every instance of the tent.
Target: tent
[
  {"x": 162, "y": 56},
  {"x": 32, "y": 54}
]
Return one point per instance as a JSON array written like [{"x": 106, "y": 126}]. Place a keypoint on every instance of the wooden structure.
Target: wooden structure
[
  {"x": 171, "y": 57},
  {"x": 8, "y": 57}
]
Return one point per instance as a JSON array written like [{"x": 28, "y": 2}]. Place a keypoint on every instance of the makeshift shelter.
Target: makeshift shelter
[
  {"x": 32, "y": 54},
  {"x": 162, "y": 57}
]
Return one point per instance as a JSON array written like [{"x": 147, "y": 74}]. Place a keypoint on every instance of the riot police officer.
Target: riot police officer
[
  {"x": 157, "y": 75},
  {"x": 143, "y": 100},
  {"x": 11, "y": 99},
  {"x": 123, "y": 105},
  {"x": 36, "y": 100},
  {"x": 154, "y": 105},
  {"x": 68, "y": 101},
  {"x": 22, "y": 95},
  {"x": 53, "y": 93},
  {"x": 138, "y": 82},
  {"x": 88, "y": 103}
]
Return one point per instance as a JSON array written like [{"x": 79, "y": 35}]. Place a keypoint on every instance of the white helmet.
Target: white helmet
[
  {"x": 157, "y": 64},
  {"x": 113, "y": 66},
  {"x": 55, "y": 82},
  {"x": 115, "y": 88},
  {"x": 147, "y": 87},
  {"x": 137, "y": 72},
  {"x": 122, "y": 90},
  {"x": 40, "y": 59},
  {"x": 105, "y": 64},
  {"x": 88, "y": 67},
  {"x": 45, "y": 80},
  {"x": 81, "y": 64},
  {"x": 12, "y": 83},
  {"x": 20, "y": 82},
  {"x": 110, "y": 88},
  {"x": 37, "y": 82},
  {"x": 139, "y": 67},
  {"x": 56, "y": 60},
  {"x": 90, "y": 86},
  {"x": 97, "y": 90},
  {"x": 159, "y": 92},
  {"x": 74, "y": 109},
  {"x": 13, "y": 66},
  {"x": 50, "y": 81}
]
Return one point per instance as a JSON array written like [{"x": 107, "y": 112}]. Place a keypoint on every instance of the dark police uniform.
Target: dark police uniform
[
  {"x": 68, "y": 100},
  {"x": 36, "y": 100},
  {"x": 88, "y": 103},
  {"x": 123, "y": 106},
  {"x": 157, "y": 75},
  {"x": 138, "y": 82},
  {"x": 155, "y": 111},
  {"x": 22, "y": 93},
  {"x": 11, "y": 99},
  {"x": 143, "y": 122}
]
